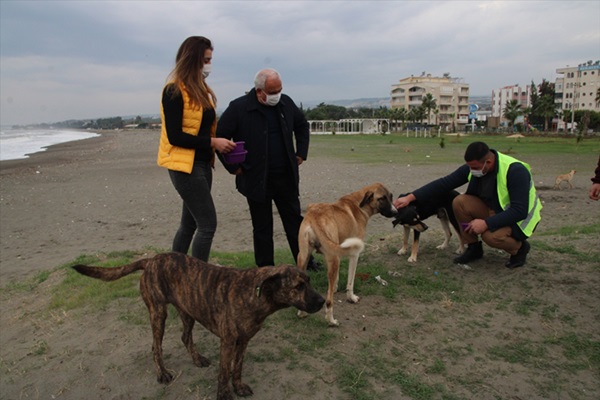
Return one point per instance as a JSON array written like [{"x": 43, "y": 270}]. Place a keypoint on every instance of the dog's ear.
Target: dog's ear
[
  {"x": 271, "y": 281},
  {"x": 367, "y": 198}
]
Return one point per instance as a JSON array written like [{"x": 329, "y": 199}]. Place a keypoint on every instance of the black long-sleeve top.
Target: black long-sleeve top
[{"x": 518, "y": 184}]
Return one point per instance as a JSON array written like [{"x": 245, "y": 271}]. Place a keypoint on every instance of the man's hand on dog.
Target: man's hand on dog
[{"x": 403, "y": 201}]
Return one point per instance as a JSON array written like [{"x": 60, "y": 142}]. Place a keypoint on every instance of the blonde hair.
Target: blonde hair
[{"x": 188, "y": 72}]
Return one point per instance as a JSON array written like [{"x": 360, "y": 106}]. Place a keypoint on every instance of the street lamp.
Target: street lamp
[{"x": 572, "y": 116}]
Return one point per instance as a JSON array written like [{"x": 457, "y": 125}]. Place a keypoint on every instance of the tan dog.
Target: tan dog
[
  {"x": 337, "y": 230},
  {"x": 564, "y": 178},
  {"x": 229, "y": 302}
]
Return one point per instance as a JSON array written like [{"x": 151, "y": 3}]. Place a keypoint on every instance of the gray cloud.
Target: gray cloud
[{"x": 93, "y": 59}]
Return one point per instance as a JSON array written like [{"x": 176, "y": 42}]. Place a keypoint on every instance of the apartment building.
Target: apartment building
[
  {"x": 451, "y": 96},
  {"x": 507, "y": 93},
  {"x": 577, "y": 87}
]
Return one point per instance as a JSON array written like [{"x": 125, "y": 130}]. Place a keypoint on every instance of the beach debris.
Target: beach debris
[{"x": 381, "y": 281}]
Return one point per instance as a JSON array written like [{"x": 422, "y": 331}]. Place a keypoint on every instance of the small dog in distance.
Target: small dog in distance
[{"x": 564, "y": 178}]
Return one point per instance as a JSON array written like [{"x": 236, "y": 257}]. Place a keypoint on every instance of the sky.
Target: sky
[{"x": 87, "y": 59}]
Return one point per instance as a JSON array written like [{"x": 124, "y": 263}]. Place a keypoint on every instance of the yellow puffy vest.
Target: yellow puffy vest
[{"x": 178, "y": 158}]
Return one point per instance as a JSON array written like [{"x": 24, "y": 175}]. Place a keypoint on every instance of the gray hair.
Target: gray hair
[{"x": 262, "y": 75}]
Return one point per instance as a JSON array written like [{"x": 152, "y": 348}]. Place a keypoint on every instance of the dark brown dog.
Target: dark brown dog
[
  {"x": 229, "y": 302},
  {"x": 337, "y": 230}
]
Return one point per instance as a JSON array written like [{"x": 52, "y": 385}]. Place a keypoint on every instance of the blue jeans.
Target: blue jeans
[{"x": 198, "y": 217}]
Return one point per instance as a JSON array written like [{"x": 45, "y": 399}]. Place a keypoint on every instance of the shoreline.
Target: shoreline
[{"x": 102, "y": 194}]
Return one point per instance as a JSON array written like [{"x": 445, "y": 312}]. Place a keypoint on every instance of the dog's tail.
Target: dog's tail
[
  {"x": 110, "y": 274},
  {"x": 352, "y": 246}
]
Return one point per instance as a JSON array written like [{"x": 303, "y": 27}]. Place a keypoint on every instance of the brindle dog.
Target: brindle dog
[{"x": 231, "y": 303}]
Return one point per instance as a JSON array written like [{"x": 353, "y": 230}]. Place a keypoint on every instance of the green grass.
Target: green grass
[{"x": 397, "y": 148}]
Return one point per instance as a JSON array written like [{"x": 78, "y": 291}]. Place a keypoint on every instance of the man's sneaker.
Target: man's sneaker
[
  {"x": 519, "y": 259},
  {"x": 473, "y": 252},
  {"x": 314, "y": 265}
]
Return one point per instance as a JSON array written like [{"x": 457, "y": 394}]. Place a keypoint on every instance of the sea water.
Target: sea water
[{"x": 19, "y": 143}]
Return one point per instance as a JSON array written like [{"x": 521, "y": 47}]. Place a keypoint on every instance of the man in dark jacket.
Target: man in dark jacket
[
  {"x": 276, "y": 136},
  {"x": 500, "y": 204}
]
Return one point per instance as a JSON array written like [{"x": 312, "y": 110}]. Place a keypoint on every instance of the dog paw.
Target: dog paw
[
  {"x": 302, "y": 314},
  {"x": 412, "y": 259},
  {"x": 442, "y": 246},
  {"x": 200, "y": 361},
  {"x": 401, "y": 252},
  {"x": 333, "y": 322},
  {"x": 242, "y": 390},
  {"x": 352, "y": 298},
  {"x": 224, "y": 394},
  {"x": 164, "y": 377}
]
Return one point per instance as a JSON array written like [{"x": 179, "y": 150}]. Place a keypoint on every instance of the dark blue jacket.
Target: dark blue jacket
[{"x": 245, "y": 120}]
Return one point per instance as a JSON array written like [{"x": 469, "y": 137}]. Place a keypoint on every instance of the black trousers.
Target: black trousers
[{"x": 281, "y": 190}]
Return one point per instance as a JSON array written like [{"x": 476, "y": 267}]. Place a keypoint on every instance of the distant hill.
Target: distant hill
[
  {"x": 484, "y": 102},
  {"x": 370, "y": 102}
]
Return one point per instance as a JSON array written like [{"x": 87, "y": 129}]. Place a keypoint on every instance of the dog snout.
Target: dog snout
[
  {"x": 314, "y": 301},
  {"x": 390, "y": 211},
  {"x": 422, "y": 226}
]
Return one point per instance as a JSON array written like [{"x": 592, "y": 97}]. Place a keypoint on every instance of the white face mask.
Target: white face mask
[
  {"x": 477, "y": 173},
  {"x": 206, "y": 70},
  {"x": 273, "y": 99}
]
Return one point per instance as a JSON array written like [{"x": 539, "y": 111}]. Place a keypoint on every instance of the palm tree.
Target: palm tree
[
  {"x": 526, "y": 112},
  {"x": 429, "y": 104},
  {"x": 399, "y": 114},
  {"x": 546, "y": 109},
  {"x": 453, "y": 118},
  {"x": 512, "y": 110},
  {"x": 416, "y": 114}
]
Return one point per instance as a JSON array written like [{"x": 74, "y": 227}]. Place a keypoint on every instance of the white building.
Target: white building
[
  {"x": 451, "y": 96},
  {"x": 577, "y": 88},
  {"x": 507, "y": 93}
]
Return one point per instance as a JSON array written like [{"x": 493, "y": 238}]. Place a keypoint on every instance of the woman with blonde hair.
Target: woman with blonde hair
[{"x": 188, "y": 143}]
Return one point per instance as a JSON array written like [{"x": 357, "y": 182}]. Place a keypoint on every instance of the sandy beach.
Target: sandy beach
[{"x": 107, "y": 194}]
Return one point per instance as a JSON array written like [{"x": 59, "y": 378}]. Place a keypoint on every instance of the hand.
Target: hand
[
  {"x": 300, "y": 160},
  {"x": 595, "y": 191},
  {"x": 222, "y": 145},
  {"x": 403, "y": 201},
  {"x": 477, "y": 226}
]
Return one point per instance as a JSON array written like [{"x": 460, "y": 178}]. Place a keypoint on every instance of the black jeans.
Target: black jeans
[
  {"x": 198, "y": 217},
  {"x": 281, "y": 191}
]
